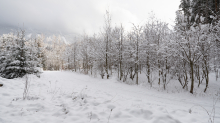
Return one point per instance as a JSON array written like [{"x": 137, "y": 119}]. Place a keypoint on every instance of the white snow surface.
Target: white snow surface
[{"x": 68, "y": 97}]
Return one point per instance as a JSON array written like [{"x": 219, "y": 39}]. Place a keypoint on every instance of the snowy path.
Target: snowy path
[{"x": 70, "y": 97}]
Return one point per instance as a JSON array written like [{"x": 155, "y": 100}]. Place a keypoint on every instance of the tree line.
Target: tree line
[{"x": 187, "y": 53}]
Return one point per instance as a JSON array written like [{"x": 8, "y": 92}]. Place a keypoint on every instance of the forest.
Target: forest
[{"x": 187, "y": 52}]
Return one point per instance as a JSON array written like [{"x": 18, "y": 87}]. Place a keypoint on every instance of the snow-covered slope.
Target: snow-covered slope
[{"x": 69, "y": 97}]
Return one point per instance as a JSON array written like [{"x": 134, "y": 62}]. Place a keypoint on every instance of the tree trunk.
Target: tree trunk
[
  {"x": 192, "y": 77},
  {"x": 185, "y": 79},
  {"x": 198, "y": 76},
  {"x": 159, "y": 72},
  {"x": 206, "y": 75},
  {"x": 136, "y": 71},
  {"x": 120, "y": 62},
  {"x": 148, "y": 69},
  {"x": 106, "y": 58}
]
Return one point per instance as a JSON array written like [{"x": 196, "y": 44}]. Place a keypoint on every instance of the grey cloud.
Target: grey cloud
[
  {"x": 76, "y": 16},
  {"x": 48, "y": 15}
]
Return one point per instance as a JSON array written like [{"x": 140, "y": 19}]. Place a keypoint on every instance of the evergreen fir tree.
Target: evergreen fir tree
[{"x": 18, "y": 56}]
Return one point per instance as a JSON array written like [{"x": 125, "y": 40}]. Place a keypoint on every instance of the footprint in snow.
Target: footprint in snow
[
  {"x": 111, "y": 106},
  {"x": 5, "y": 94},
  {"x": 95, "y": 103},
  {"x": 146, "y": 114},
  {"x": 165, "y": 119}
]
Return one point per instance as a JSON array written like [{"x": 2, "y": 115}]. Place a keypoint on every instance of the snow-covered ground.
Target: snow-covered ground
[{"x": 67, "y": 97}]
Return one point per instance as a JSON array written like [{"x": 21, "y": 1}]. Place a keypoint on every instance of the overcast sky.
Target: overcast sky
[{"x": 78, "y": 16}]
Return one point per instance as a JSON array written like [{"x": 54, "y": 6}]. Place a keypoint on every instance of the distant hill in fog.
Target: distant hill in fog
[{"x": 67, "y": 37}]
